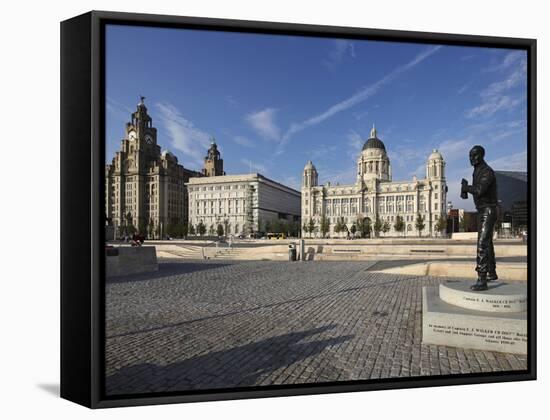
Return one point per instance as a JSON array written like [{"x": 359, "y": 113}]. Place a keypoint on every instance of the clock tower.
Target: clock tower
[{"x": 145, "y": 187}]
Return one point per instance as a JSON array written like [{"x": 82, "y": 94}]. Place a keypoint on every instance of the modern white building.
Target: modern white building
[
  {"x": 375, "y": 194},
  {"x": 242, "y": 204}
]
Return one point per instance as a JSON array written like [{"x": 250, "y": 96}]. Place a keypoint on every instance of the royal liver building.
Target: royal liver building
[
  {"x": 374, "y": 194},
  {"x": 144, "y": 187}
]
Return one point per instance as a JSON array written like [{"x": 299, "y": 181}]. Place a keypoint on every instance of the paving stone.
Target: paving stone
[{"x": 204, "y": 325}]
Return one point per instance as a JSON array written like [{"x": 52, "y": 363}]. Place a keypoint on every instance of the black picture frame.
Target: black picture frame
[{"x": 82, "y": 203}]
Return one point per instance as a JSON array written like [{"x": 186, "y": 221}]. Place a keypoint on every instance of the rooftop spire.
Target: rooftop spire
[{"x": 373, "y": 132}]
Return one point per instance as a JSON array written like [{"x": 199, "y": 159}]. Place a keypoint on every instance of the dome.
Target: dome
[
  {"x": 310, "y": 166},
  {"x": 435, "y": 155},
  {"x": 374, "y": 142}
]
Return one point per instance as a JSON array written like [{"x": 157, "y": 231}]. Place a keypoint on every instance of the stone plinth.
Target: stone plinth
[
  {"x": 501, "y": 297},
  {"x": 455, "y": 326},
  {"x": 123, "y": 261}
]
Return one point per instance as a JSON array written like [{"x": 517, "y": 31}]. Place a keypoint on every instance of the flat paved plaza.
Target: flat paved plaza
[{"x": 198, "y": 325}]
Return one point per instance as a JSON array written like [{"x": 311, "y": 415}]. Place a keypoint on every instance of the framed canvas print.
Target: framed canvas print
[{"x": 255, "y": 209}]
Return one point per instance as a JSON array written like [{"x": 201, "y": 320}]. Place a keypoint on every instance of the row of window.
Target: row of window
[{"x": 218, "y": 187}]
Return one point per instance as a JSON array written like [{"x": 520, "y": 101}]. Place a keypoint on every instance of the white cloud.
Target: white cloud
[
  {"x": 355, "y": 141},
  {"x": 337, "y": 53},
  {"x": 463, "y": 88},
  {"x": 497, "y": 96},
  {"x": 515, "y": 162},
  {"x": 254, "y": 167},
  {"x": 322, "y": 150},
  {"x": 510, "y": 59},
  {"x": 243, "y": 141},
  {"x": 184, "y": 136},
  {"x": 117, "y": 110},
  {"x": 263, "y": 122},
  {"x": 360, "y": 96},
  {"x": 291, "y": 181}
]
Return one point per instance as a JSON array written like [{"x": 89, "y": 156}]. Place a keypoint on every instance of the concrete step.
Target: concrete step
[{"x": 509, "y": 271}]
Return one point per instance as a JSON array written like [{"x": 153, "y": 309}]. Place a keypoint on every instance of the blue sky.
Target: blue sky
[{"x": 273, "y": 102}]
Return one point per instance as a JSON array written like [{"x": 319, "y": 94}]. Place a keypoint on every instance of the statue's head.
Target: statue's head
[{"x": 477, "y": 153}]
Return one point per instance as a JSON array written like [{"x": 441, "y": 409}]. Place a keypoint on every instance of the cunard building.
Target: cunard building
[
  {"x": 144, "y": 186},
  {"x": 375, "y": 195}
]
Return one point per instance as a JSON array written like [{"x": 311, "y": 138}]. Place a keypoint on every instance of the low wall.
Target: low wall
[
  {"x": 416, "y": 250},
  {"x": 506, "y": 271},
  {"x": 123, "y": 261}
]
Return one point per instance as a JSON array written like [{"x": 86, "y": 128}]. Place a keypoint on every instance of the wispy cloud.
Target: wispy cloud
[
  {"x": 243, "y": 141},
  {"x": 512, "y": 58},
  {"x": 339, "y": 49},
  {"x": 291, "y": 181},
  {"x": 321, "y": 151},
  {"x": 463, "y": 88},
  {"x": 254, "y": 166},
  {"x": 184, "y": 136},
  {"x": 358, "y": 97},
  {"x": 515, "y": 162},
  {"x": 360, "y": 115},
  {"x": 231, "y": 100},
  {"x": 119, "y": 111},
  {"x": 263, "y": 122},
  {"x": 497, "y": 95}
]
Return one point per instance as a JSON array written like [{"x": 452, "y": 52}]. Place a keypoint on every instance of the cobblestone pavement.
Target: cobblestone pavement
[{"x": 204, "y": 325}]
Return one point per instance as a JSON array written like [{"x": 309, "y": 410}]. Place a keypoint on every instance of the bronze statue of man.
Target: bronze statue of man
[{"x": 484, "y": 191}]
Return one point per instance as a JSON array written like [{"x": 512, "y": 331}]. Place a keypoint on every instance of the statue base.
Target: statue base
[{"x": 492, "y": 320}]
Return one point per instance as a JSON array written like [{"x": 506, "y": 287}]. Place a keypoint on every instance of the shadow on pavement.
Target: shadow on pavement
[
  {"x": 235, "y": 367},
  {"x": 384, "y": 281},
  {"x": 167, "y": 269}
]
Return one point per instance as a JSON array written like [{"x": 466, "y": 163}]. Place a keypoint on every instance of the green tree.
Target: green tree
[
  {"x": 353, "y": 229},
  {"x": 311, "y": 226},
  {"x": 324, "y": 226},
  {"x": 142, "y": 226},
  {"x": 183, "y": 230},
  {"x": 121, "y": 231},
  {"x": 294, "y": 228},
  {"x": 226, "y": 226},
  {"x": 364, "y": 227},
  {"x": 211, "y": 230},
  {"x": 441, "y": 224},
  {"x": 130, "y": 228},
  {"x": 338, "y": 226},
  {"x": 201, "y": 228},
  {"x": 191, "y": 229},
  {"x": 220, "y": 230},
  {"x": 305, "y": 228},
  {"x": 386, "y": 226},
  {"x": 399, "y": 224},
  {"x": 377, "y": 227},
  {"x": 151, "y": 229},
  {"x": 419, "y": 223}
]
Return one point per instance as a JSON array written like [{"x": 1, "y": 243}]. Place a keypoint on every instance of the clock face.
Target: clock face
[
  {"x": 148, "y": 139},
  {"x": 132, "y": 135}
]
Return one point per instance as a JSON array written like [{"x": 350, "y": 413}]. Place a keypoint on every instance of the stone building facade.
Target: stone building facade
[
  {"x": 144, "y": 187},
  {"x": 213, "y": 163},
  {"x": 240, "y": 203},
  {"x": 375, "y": 195}
]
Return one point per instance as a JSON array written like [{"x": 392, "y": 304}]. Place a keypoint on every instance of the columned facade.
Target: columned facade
[{"x": 375, "y": 196}]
